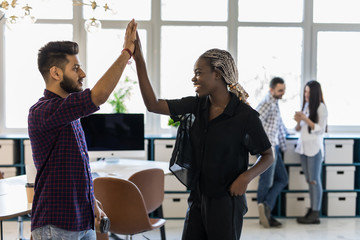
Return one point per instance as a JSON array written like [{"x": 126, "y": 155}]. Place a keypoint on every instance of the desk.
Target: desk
[
  {"x": 14, "y": 203},
  {"x": 124, "y": 168}
]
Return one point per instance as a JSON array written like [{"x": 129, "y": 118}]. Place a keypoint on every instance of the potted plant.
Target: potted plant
[
  {"x": 172, "y": 123},
  {"x": 119, "y": 96},
  {"x": 173, "y": 126}
]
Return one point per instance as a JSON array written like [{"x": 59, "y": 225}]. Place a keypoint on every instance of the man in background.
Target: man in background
[{"x": 275, "y": 178}]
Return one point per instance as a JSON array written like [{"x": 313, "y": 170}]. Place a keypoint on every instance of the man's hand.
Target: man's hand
[
  {"x": 130, "y": 35},
  {"x": 99, "y": 213}
]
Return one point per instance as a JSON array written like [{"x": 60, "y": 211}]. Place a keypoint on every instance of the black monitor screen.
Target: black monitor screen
[{"x": 114, "y": 131}]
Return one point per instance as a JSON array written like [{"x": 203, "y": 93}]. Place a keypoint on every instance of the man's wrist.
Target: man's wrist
[{"x": 128, "y": 51}]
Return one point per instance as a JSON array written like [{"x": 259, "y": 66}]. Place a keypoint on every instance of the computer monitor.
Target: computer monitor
[{"x": 114, "y": 135}]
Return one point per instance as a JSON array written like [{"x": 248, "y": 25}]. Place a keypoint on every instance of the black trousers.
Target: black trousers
[{"x": 214, "y": 218}]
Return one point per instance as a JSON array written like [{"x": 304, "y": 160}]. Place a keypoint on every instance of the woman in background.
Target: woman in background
[{"x": 312, "y": 122}]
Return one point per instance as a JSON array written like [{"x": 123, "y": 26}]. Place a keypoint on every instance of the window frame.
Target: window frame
[{"x": 153, "y": 28}]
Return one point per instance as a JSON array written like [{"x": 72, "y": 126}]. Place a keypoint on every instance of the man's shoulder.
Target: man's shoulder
[
  {"x": 264, "y": 103},
  {"x": 43, "y": 104}
]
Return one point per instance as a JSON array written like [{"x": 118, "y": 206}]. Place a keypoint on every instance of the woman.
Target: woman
[
  {"x": 225, "y": 130},
  {"x": 311, "y": 123}
]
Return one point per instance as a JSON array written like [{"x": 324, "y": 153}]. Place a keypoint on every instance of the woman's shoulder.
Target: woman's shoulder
[
  {"x": 246, "y": 109},
  {"x": 322, "y": 107}
]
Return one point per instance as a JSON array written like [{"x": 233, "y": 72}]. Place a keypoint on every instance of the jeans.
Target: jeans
[
  {"x": 272, "y": 181},
  {"x": 312, "y": 171},
  {"x": 51, "y": 232}
]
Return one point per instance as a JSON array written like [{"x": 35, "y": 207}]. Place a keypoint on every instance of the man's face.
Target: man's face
[
  {"x": 278, "y": 91},
  {"x": 73, "y": 76}
]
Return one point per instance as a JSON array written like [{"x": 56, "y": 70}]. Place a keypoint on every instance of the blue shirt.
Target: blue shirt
[{"x": 64, "y": 195}]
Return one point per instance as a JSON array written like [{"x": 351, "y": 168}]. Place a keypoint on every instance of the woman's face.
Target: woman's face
[
  {"x": 307, "y": 93},
  {"x": 204, "y": 77}
]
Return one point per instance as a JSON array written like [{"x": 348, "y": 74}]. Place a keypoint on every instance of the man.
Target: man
[
  {"x": 64, "y": 206},
  {"x": 275, "y": 178}
]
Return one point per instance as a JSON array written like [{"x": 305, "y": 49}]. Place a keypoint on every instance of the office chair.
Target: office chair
[
  {"x": 125, "y": 207},
  {"x": 151, "y": 185}
]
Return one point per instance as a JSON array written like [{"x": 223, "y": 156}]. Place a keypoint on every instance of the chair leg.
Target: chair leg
[
  {"x": 162, "y": 229},
  {"x": 114, "y": 236},
  {"x": 162, "y": 232}
]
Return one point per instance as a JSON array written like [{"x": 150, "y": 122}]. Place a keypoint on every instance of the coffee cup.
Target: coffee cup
[{"x": 29, "y": 192}]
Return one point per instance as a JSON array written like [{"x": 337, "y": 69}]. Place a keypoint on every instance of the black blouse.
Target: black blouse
[{"x": 221, "y": 146}]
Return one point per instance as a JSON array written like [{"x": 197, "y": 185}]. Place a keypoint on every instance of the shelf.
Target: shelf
[
  {"x": 342, "y": 190},
  {"x": 325, "y": 164},
  {"x": 176, "y": 192},
  {"x": 341, "y": 164},
  {"x": 13, "y": 165}
]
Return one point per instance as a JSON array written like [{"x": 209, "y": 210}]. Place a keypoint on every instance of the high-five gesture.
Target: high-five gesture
[{"x": 130, "y": 36}]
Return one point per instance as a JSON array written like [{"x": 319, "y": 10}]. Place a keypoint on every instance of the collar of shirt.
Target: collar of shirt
[
  {"x": 48, "y": 94},
  {"x": 271, "y": 99},
  {"x": 230, "y": 107}
]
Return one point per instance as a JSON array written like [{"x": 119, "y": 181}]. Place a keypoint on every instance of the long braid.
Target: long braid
[{"x": 222, "y": 61}]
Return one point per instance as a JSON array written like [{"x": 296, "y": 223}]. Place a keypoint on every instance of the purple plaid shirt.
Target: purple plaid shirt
[{"x": 64, "y": 195}]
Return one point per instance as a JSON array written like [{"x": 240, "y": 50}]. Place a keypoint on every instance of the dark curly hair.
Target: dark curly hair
[{"x": 54, "y": 54}]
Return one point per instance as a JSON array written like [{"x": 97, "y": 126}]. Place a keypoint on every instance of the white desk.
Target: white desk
[
  {"x": 124, "y": 168},
  {"x": 14, "y": 203}
]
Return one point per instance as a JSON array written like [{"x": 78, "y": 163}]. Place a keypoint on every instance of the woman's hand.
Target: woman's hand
[
  {"x": 138, "y": 53},
  {"x": 239, "y": 186},
  {"x": 299, "y": 116},
  {"x": 130, "y": 36}
]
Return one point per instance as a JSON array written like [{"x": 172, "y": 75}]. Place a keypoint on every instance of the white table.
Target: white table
[
  {"x": 14, "y": 203},
  {"x": 124, "y": 168}
]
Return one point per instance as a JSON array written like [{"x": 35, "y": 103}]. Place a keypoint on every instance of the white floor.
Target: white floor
[{"x": 329, "y": 229}]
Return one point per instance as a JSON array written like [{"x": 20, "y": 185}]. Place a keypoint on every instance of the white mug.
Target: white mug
[{"x": 30, "y": 172}]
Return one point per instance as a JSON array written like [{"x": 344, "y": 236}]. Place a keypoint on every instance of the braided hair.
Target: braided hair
[{"x": 222, "y": 61}]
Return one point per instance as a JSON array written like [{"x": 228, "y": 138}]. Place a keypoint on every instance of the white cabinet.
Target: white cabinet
[
  {"x": 297, "y": 204},
  {"x": 6, "y": 152},
  {"x": 339, "y": 151}
]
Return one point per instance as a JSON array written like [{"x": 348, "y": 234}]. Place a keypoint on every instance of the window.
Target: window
[
  {"x": 24, "y": 84},
  {"x": 297, "y": 40},
  {"x": 120, "y": 10},
  {"x": 99, "y": 58},
  {"x": 337, "y": 71},
  {"x": 336, "y": 11},
  {"x": 199, "y": 10},
  {"x": 264, "y": 53},
  {"x": 271, "y": 11}
]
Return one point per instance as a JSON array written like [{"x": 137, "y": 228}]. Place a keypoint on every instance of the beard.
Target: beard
[
  {"x": 69, "y": 86},
  {"x": 278, "y": 97}
]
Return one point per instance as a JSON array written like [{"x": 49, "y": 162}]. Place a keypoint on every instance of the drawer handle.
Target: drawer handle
[
  {"x": 301, "y": 172},
  {"x": 338, "y": 145},
  {"x": 342, "y": 198},
  {"x": 340, "y": 172},
  {"x": 169, "y": 146},
  {"x": 301, "y": 199},
  {"x": 254, "y": 199},
  {"x": 176, "y": 199}
]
